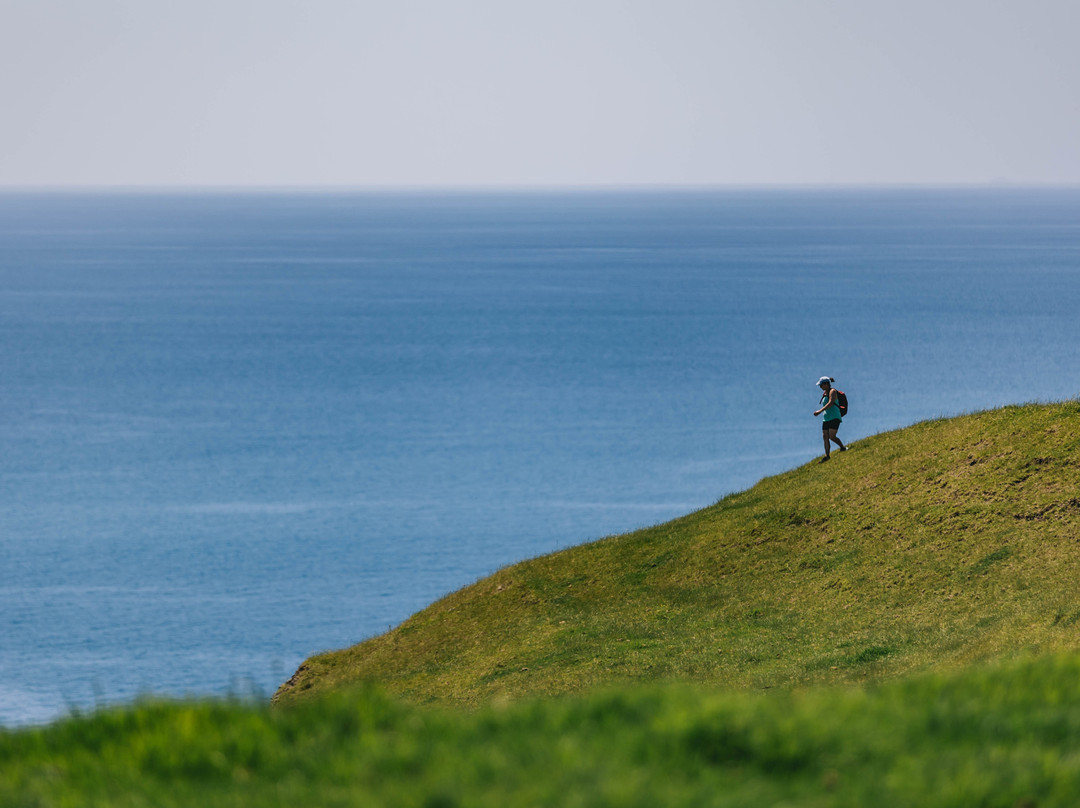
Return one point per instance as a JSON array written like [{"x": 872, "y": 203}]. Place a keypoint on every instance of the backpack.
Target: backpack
[{"x": 841, "y": 402}]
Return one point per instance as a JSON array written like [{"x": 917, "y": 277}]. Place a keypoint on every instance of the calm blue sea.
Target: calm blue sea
[{"x": 239, "y": 429}]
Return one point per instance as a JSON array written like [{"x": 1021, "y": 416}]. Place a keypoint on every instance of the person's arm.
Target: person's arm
[{"x": 829, "y": 403}]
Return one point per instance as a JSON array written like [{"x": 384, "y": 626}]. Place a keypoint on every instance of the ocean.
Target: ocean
[{"x": 241, "y": 428}]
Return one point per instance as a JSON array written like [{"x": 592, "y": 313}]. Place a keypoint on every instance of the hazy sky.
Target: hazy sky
[{"x": 500, "y": 92}]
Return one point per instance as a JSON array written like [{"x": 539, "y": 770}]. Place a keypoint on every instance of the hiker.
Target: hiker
[{"x": 831, "y": 409}]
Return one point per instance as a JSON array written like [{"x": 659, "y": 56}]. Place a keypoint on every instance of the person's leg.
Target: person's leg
[
  {"x": 836, "y": 440},
  {"x": 825, "y": 438}
]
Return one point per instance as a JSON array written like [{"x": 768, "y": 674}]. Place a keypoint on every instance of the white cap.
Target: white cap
[{"x": 824, "y": 380}]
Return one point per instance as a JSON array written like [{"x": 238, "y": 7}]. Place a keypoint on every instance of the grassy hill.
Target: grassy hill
[
  {"x": 946, "y": 543},
  {"x": 898, "y": 626}
]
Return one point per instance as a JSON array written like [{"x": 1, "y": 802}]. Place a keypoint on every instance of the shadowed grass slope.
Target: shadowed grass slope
[{"x": 940, "y": 544}]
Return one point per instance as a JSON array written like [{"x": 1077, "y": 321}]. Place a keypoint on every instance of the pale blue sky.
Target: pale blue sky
[{"x": 576, "y": 92}]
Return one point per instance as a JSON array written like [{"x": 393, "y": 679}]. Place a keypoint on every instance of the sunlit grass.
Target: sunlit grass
[{"x": 946, "y": 543}]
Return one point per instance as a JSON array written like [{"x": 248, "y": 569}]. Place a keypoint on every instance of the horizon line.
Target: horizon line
[{"x": 482, "y": 188}]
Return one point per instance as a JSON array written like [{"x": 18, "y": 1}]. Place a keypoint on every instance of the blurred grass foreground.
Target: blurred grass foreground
[{"x": 1000, "y": 735}]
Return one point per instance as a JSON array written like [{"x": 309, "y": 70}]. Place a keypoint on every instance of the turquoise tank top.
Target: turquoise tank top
[{"x": 832, "y": 413}]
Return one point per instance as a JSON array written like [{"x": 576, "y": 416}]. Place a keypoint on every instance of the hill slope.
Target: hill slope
[{"x": 941, "y": 544}]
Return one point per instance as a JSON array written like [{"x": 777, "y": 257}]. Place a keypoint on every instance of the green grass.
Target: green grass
[
  {"x": 933, "y": 547},
  {"x": 1001, "y": 735},
  {"x": 899, "y": 626}
]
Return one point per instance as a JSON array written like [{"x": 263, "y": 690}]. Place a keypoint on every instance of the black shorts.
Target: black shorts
[{"x": 833, "y": 424}]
